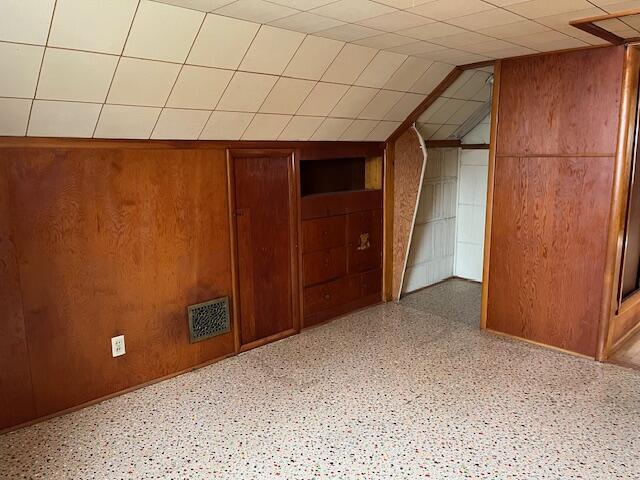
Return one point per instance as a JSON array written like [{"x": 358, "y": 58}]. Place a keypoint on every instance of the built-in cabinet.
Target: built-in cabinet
[{"x": 341, "y": 224}]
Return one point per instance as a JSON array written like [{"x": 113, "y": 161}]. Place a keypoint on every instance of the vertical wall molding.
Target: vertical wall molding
[{"x": 495, "y": 106}]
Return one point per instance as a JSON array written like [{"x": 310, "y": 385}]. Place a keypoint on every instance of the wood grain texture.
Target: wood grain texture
[
  {"x": 364, "y": 253},
  {"x": 408, "y": 170},
  {"x": 561, "y": 104},
  {"x": 265, "y": 252},
  {"x": 550, "y": 218},
  {"x": 330, "y": 204},
  {"x": 16, "y": 395},
  {"x": 116, "y": 242}
]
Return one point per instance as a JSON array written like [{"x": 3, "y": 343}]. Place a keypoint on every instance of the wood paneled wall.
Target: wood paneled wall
[
  {"x": 553, "y": 171},
  {"x": 102, "y": 238},
  {"x": 108, "y": 242}
]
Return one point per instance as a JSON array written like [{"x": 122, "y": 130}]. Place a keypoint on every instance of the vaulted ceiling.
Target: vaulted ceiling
[{"x": 254, "y": 69}]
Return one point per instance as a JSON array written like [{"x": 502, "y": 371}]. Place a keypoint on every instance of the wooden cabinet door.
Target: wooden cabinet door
[
  {"x": 265, "y": 252},
  {"x": 364, "y": 237}
]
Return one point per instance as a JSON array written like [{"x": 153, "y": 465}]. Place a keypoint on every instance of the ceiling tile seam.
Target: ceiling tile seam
[
  {"x": 229, "y": 83},
  {"x": 279, "y": 77},
  {"x": 124, "y": 44},
  {"x": 374, "y": 57},
  {"x": 204, "y": 17},
  {"x": 341, "y": 138},
  {"x": 44, "y": 51}
]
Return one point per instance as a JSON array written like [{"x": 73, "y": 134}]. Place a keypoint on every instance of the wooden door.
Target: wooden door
[{"x": 266, "y": 254}]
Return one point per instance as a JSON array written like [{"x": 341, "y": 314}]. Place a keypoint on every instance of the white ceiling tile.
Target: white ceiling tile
[
  {"x": 199, "y": 87},
  {"x": 446, "y": 9},
  {"x": 246, "y": 92},
  {"x": 349, "y": 32},
  {"x": 486, "y": 19},
  {"x": 75, "y": 76},
  {"x": 25, "y": 21},
  {"x": 271, "y": 50},
  {"x": 407, "y": 104},
  {"x": 407, "y": 74},
  {"x": 403, "y": 4},
  {"x": 163, "y": 32},
  {"x": 544, "y": 8},
  {"x": 353, "y": 102},
  {"x": 446, "y": 111},
  {"x": 394, "y": 21},
  {"x": 359, "y": 130},
  {"x": 313, "y": 57},
  {"x": 384, "y": 41},
  {"x": 226, "y": 125},
  {"x": 417, "y": 48},
  {"x": 93, "y": 25},
  {"x": 256, "y": 11},
  {"x": 353, "y": 10},
  {"x": 382, "y": 131},
  {"x": 266, "y": 126},
  {"x": 434, "y": 75},
  {"x": 331, "y": 129},
  {"x": 202, "y": 5},
  {"x": 322, "y": 99},
  {"x": 523, "y": 27},
  {"x": 444, "y": 132},
  {"x": 287, "y": 95},
  {"x": 63, "y": 119},
  {"x": 380, "y": 69},
  {"x": 142, "y": 82},
  {"x": 300, "y": 128},
  {"x": 306, "y": 22},
  {"x": 19, "y": 68},
  {"x": 14, "y": 116},
  {"x": 222, "y": 42},
  {"x": 349, "y": 64},
  {"x": 302, "y": 4},
  {"x": 118, "y": 121},
  {"x": 425, "y": 117},
  {"x": 380, "y": 105},
  {"x": 180, "y": 124},
  {"x": 432, "y": 30}
]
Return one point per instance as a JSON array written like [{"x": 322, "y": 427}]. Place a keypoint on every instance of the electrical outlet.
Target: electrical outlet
[{"x": 117, "y": 346}]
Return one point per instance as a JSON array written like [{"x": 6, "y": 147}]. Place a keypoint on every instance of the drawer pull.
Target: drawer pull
[{"x": 327, "y": 296}]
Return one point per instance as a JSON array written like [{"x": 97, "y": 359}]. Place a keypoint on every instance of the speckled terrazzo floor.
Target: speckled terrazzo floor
[{"x": 390, "y": 392}]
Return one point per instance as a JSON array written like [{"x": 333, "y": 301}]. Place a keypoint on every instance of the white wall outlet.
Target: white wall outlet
[{"x": 117, "y": 346}]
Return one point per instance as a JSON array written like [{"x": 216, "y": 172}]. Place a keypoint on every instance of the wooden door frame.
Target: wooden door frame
[
  {"x": 493, "y": 140},
  {"x": 293, "y": 174}
]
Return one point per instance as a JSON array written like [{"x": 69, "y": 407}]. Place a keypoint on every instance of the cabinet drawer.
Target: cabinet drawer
[
  {"x": 364, "y": 237},
  {"x": 323, "y": 233},
  {"x": 328, "y": 295},
  {"x": 324, "y": 265},
  {"x": 370, "y": 283}
]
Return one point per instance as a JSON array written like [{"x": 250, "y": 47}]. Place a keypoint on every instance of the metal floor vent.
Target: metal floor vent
[{"x": 209, "y": 319}]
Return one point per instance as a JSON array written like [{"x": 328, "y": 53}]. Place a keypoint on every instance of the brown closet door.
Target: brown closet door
[{"x": 263, "y": 214}]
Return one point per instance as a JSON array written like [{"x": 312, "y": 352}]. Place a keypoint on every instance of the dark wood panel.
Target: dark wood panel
[
  {"x": 323, "y": 266},
  {"x": 342, "y": 309},
  {"x": 550, "y": 218},
  {"x": 561, "y": 104},
  {"x": 323, "y": 233},
  {"x": 265, "y": 252},
  {"x": 330, "y": 204},
  {"x": 116, "y": 242},
  {"x": 364, "y": 241},
  {"x": 331, "y": 294},
  {"x": 16, "y": 395}
]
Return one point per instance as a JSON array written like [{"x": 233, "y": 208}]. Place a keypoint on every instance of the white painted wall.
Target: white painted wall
[
  {"x": 431, "y": 254},
  {"x": 471, "y": 207}
]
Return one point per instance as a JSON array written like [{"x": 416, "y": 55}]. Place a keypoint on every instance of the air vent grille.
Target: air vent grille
[{"x": 209, "y": 319}]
